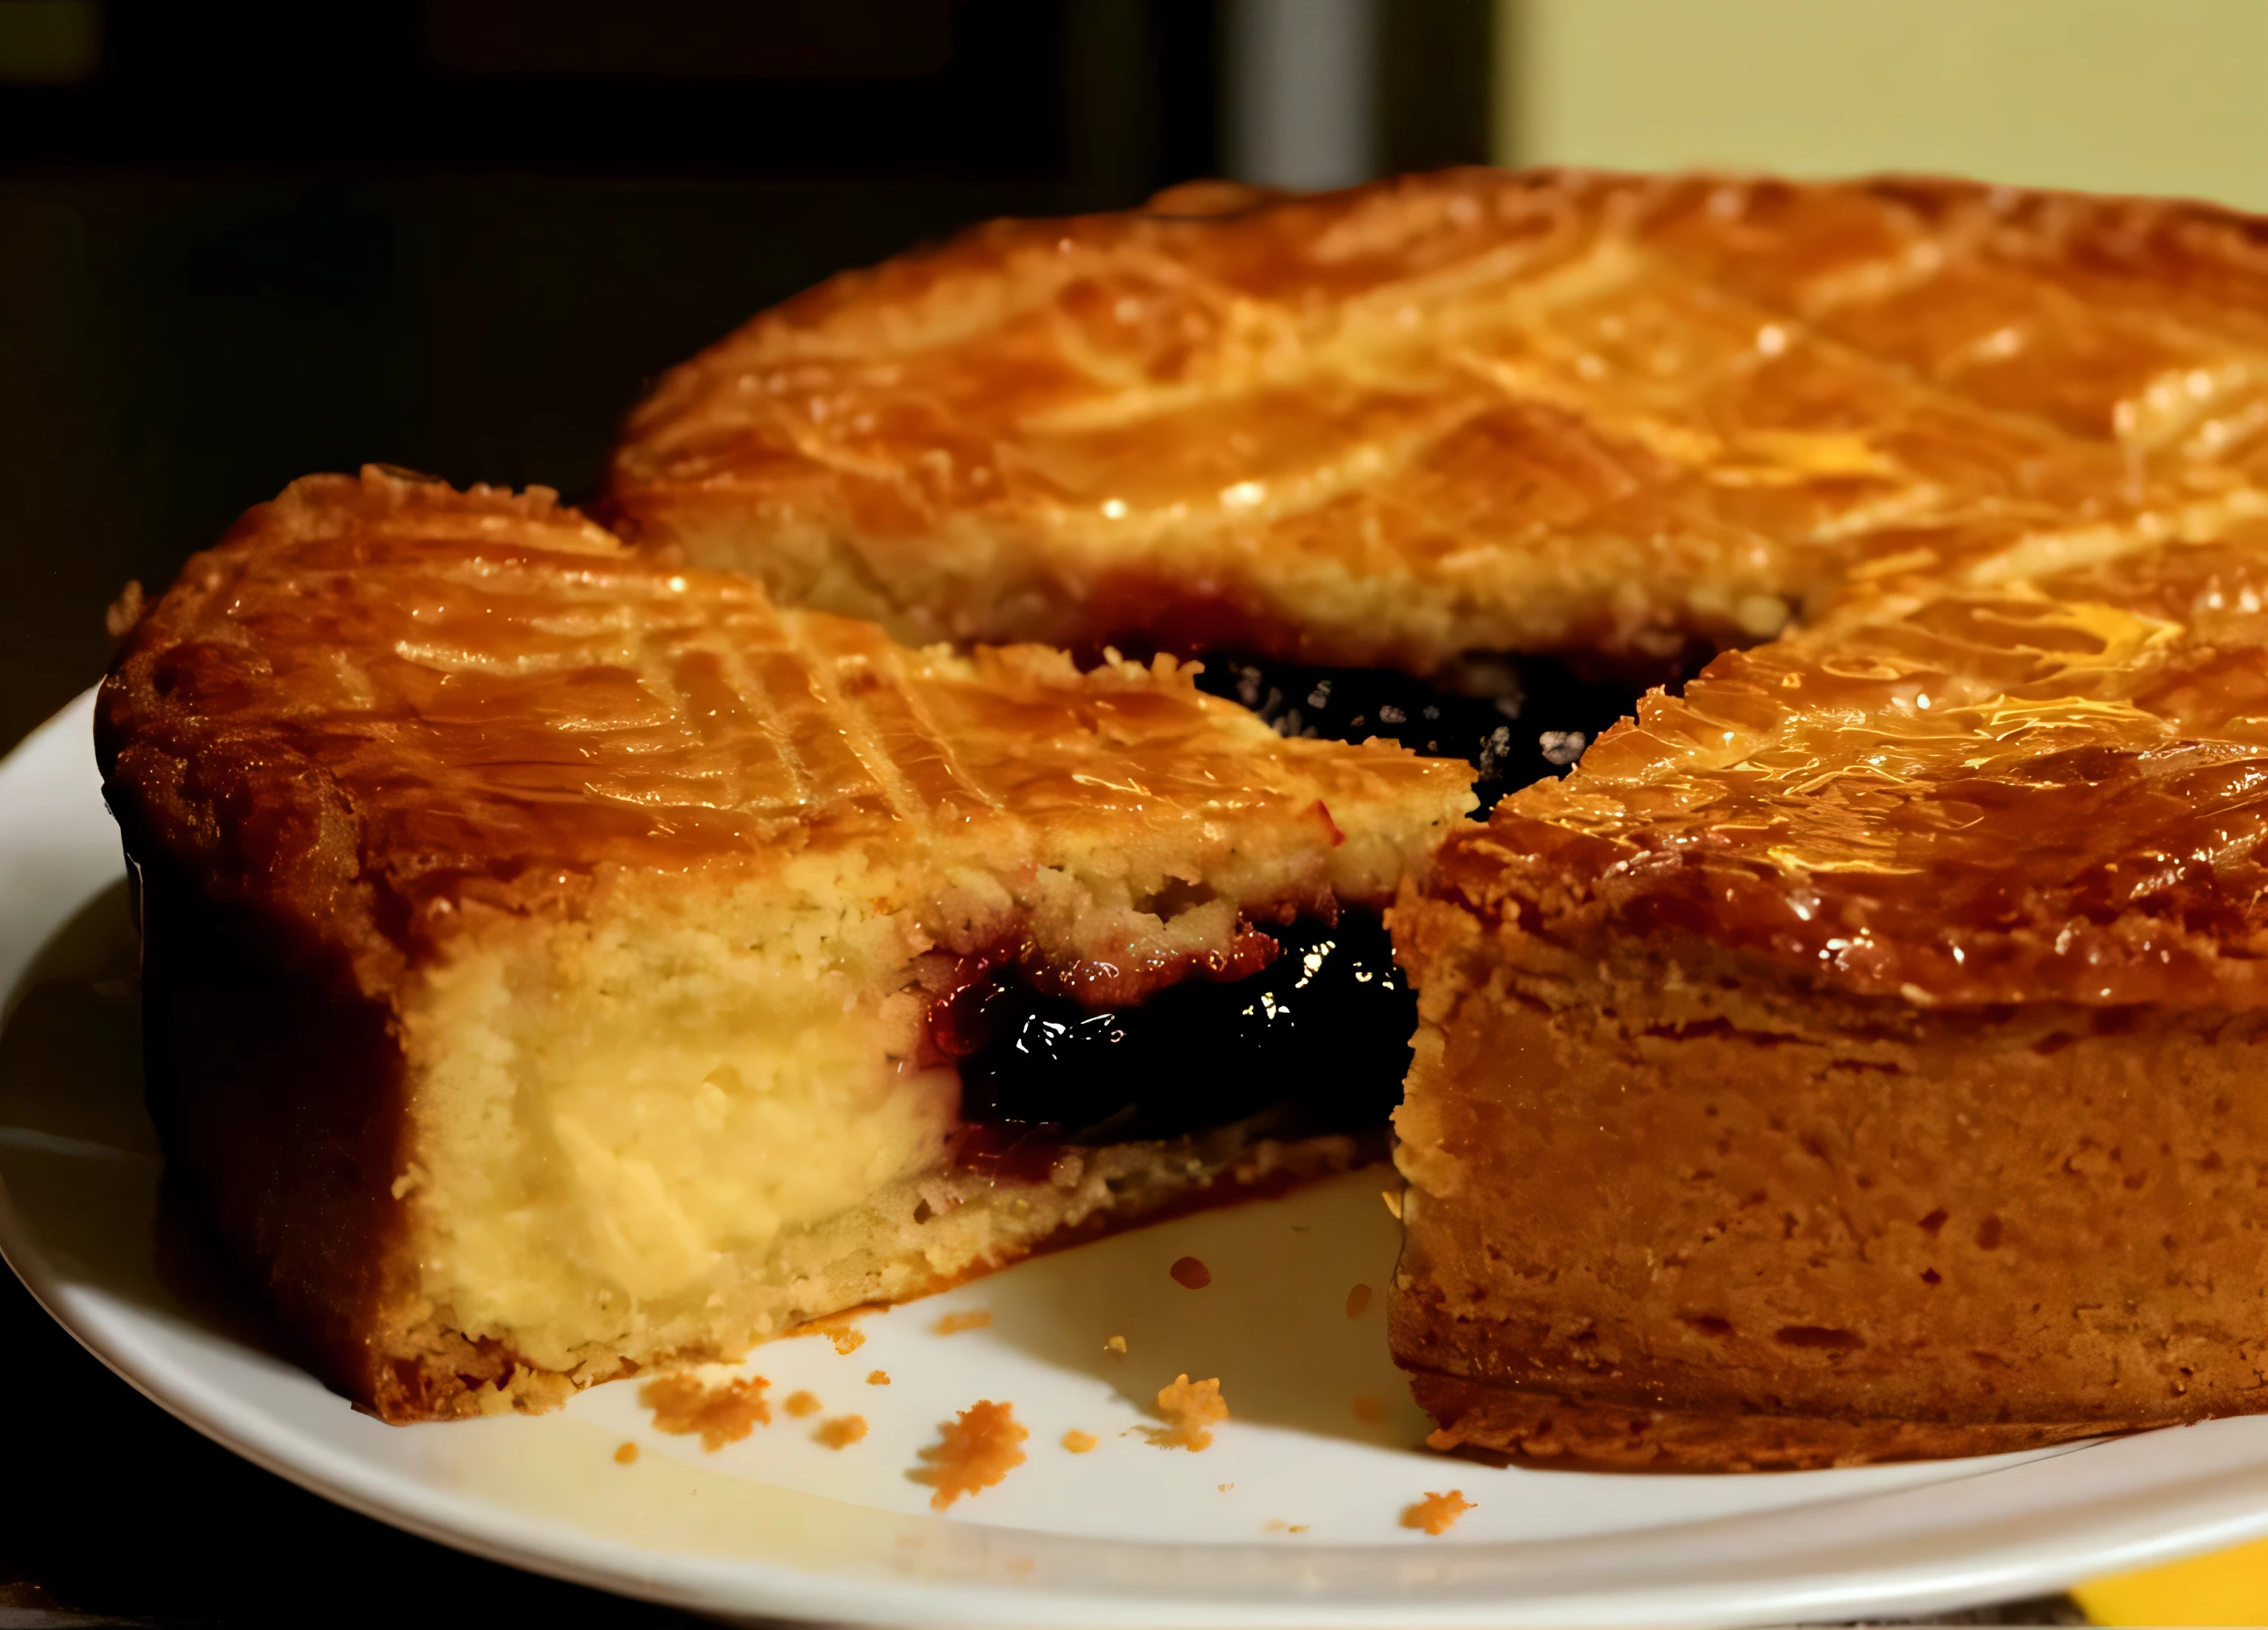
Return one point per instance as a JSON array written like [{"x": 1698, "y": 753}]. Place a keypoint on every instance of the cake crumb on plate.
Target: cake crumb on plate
[
  {"x": 1078, "y": 1442},
  {"x": 974, "y": 1451},
  {"x": 627, "y": 1454},
  {"x": 1357, "y": 1301},
  {"x": 801, "y": 1404},
  {"x": 1435, "y": 1513},
  {"x": 836, "y": 1328},
  {"x": 1190, "y": 1273},
  {"x": 953, "y": 1323},
  {"x": 878, "y": 1377},
  {"x": 1116, "y": 1344},
  {"x": 841, "y": 1432},
  {"x": 1189, "y": 1408},
  {"x": 721, "y": 1414}
]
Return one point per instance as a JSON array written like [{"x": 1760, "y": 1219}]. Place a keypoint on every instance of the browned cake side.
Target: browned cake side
[
  {"x": 1860, "y": 1057},
  {"x": 557, "y": 965}
]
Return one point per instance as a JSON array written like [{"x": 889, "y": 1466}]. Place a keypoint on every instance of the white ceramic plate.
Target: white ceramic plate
[{"x": 1291, "y": 1516}]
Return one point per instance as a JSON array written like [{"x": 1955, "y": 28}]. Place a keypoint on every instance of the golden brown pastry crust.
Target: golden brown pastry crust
[
  {"x": 2047, "y": 789},
  {"x": 378, "y": 700},
  {"x": 1476, "y": 410}
]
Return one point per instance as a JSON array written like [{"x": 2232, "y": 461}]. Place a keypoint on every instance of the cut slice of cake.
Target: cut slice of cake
[
  {"x": 1859, "y": 1057},
  {"x": 558, "y": 964}
]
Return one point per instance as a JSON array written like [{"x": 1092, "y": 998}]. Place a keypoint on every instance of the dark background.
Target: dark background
[{"x": 238, "y": 244}]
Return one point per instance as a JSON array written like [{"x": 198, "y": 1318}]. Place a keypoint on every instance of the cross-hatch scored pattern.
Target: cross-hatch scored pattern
[
  {"x": 520, "y": 689},
  {"x": 1758, "y": 394},
  {"x": 2057, "y": 792},
  {"x": 530, "y": 694}
]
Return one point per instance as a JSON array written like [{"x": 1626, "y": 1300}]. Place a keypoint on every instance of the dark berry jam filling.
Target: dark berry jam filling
[
  {"x": 1318, "y": 1040},
  {"x": 1321, "y": 1033},
  {"x": 1514, "y": 719}
]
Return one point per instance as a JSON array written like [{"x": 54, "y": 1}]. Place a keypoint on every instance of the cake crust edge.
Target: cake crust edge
[{"x": 1513, "y": 1425}]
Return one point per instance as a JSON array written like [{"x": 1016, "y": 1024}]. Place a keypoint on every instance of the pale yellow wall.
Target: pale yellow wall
[{"x": 2149, "y": 96}]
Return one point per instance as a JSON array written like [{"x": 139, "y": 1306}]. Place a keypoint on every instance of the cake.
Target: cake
[
  {"x": 1858, "y": 1057},
  {"x": 559, "y": 965},
  {"x": 1464, "y": 413},
  {"x": 1851, "y": 1057}
]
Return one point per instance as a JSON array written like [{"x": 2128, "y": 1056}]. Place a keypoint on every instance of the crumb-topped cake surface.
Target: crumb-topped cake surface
[
  {"x": 557, "y": 964},
  {"x": 1475, "y": 411}
]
